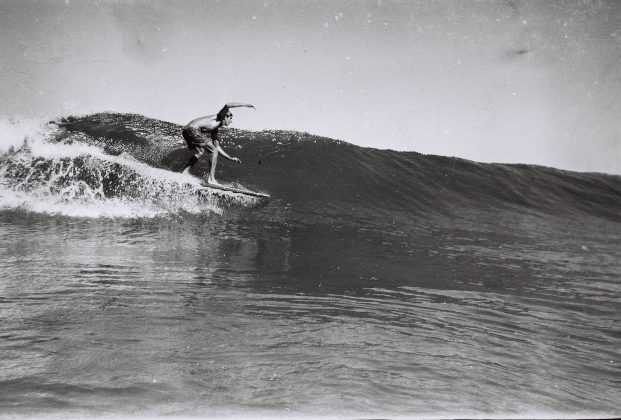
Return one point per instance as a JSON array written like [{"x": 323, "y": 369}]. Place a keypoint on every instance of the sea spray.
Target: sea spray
[{"x": 15, "y": 132}]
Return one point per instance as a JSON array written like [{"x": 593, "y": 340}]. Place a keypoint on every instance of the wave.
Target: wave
[{"x": 132, "y": 162}]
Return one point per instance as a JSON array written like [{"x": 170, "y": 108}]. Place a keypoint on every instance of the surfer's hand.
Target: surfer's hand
[{"x": 236, "y": 160}]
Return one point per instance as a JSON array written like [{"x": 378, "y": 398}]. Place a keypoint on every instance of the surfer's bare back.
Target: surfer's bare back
[{"x": 201, "y": 135}]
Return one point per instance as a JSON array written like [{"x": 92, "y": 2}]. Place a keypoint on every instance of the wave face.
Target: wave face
[{"x": 131, "y": 159}]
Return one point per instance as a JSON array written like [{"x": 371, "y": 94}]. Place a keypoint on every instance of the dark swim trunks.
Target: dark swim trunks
[{"x": 195, "y": 138}]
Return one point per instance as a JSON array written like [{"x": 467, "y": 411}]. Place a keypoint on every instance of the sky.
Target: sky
[{"x": 535, "y": 82}]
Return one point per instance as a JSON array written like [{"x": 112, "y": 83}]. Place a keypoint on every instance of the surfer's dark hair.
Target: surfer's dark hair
[{"x": 222, "y": 113}]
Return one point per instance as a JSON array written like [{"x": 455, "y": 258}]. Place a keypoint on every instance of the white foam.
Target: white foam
[
  {"x": 16, "y": 200},
  {"x": 44, "y": 176}
]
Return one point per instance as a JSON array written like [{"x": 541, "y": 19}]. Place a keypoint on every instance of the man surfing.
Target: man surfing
[{"x": 201, "y": 135}]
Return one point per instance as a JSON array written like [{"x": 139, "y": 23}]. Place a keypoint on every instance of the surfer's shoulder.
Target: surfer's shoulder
[{"x": 204, "y": 122}]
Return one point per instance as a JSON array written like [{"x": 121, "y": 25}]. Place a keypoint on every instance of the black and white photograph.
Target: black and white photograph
[{"x": 310, "y": 209}]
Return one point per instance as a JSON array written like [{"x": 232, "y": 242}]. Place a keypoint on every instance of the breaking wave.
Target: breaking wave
[{"x": 72, "y": 178}]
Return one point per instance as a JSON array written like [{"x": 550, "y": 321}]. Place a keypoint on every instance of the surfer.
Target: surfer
[{"x": 201, "y": 135}]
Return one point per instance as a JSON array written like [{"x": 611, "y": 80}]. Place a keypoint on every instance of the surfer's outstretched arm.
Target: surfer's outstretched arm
[
  {"x": 224, "y": 154},
  {"x": 225, "y": 109},
  {"x": 238, "y": 104}
]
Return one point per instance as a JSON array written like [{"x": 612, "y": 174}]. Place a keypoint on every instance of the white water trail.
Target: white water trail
[{"x": 76, "y": 179}]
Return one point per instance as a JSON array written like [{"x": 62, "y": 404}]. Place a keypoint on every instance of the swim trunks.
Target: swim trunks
[{"x": 195, "y": 138}]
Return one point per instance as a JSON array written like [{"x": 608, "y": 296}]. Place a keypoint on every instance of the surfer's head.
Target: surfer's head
[
  {"x": 225, "y": 116},
  {"x": 228, "y": 119}
]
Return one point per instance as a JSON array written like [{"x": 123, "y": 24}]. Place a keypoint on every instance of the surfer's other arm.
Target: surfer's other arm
[
  {"x": 224, "y": 154},
  {"x": 239, "y": 104}
]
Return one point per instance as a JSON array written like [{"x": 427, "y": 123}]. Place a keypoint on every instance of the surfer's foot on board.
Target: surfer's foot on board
[{"x": 212, "y": 181}]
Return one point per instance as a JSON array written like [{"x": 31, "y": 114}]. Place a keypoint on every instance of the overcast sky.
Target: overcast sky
[{"x": 492, "y": 81}]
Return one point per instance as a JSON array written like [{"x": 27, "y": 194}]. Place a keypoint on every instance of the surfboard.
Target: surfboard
[{"x": 235, "y": 190}]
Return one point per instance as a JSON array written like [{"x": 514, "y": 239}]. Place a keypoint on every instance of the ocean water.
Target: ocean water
[{"x": 372, "y": 283}]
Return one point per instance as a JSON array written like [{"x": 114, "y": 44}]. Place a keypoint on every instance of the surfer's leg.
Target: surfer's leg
[
  {"x": 197, "y": 142},
  {"x": 200, "y": 151},
  {"x": 189, "y": 136},
  {"x": 190, "y": 163},
  {"x": 212, "y": 167}
]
